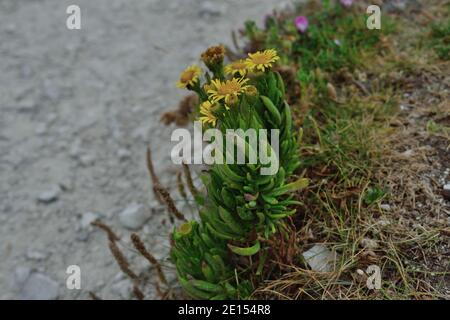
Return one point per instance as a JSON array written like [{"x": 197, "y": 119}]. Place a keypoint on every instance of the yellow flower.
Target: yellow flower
[
  {"x": 237, "y": 67},
  {"x": 223, "y": 90},
  {"x": 207, "y": 87},
  {"x": 261, "y": 60},
  {"x": 189, "y": 76},
  {"x": 231, "y": 101},
  {"x": 206, "y": 115}
]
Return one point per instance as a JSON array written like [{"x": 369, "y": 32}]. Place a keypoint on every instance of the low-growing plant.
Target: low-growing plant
[
  {"x": 329, "y": 38},
  {"x": 440, "y": 39},
  {"x": 242, "y": 208}
]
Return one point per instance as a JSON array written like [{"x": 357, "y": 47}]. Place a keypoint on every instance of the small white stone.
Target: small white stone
[
  {"x": 319, "y": 258},
  {"x": 27, "y": 106},
  {"x": 446, "y": 191},
  {"x": 39, "y": 286},
  {"x": 134, "y": 216},
  {"x": 385, "y": 207},
  {"x": 37, "y": 255},
  {"x": 123, "y": 154},
  {"x": 87, "y": 160},
  {"x": 408, "y": 153},
  {"x": 50, "y": 195},
  {"x": 369, "y": 243},
  {"x": 75, "y": 148},
  {"x": 210, "y": 8},
  {"x": 384, "y": 222},
  {"x": 87, "y": 218},
  {"x": 21, "y": 275}
]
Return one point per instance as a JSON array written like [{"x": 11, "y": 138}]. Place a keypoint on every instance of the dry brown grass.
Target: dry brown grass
[{"x": 410, "y": 151}]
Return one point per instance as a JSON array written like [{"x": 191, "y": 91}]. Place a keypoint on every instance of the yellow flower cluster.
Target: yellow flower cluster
[
  {"x": 189, "y": 77},
  {"x": 206, "y": 114},
  {"x": 226, "y": 90},
  {"x": 260, "y": 61}
]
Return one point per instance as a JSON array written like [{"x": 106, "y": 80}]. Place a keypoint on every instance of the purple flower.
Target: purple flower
[
  {"x": 346, "y": 3},
  {"x": 301, "y": 23}
]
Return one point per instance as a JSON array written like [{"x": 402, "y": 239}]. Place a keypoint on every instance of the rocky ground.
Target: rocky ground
[{"x": 78, "y": 109}]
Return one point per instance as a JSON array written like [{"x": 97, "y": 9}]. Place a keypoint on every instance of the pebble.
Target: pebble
[
  {"x": 123, "y": 154},
  {"x": 87, "y": 218},
  {"x": 360, "y": 272},
  {"x": 21, "y": 275},
  {"x": 384, "y": 223},
  {"x": 319, "y": 258},
  {"x": 446, "y": 191},
  {"x": 385, "y": 207},
  {"x": 50, "y": 195},
  {"x": 39, "y": 286},
  {"x": 67, "y": 184},
  {"x": 212, "y": 9},
  {"x": 369, "y": 243},
  {"x": 36, "y": 255},
  {"x": 134, "y": 216},
  {"x": 87, "y": 160},
  {"x": 27, "y": 106},
  {"x": 404, "y": 107},
  {"x": 75, "y": 148},
  {"x": 408, "y": 153}
]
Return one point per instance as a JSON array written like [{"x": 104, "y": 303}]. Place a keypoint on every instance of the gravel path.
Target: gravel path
[{"x": 78, "y": 108}]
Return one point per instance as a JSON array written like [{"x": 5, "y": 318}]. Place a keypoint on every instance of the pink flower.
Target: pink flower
[
  {"x": 346, "y": 3},
  {"x": 301, "y": 23}
]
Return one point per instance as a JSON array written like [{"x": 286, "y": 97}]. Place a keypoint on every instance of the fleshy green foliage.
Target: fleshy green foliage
[
  {"x": 242, "y": 205},
  {"x": 202, "y": 265}
]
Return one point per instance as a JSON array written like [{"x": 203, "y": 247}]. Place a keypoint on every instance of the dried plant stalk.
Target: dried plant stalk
[
  {"x": 180, "y": 186},
  {"x": 111, "y": 235},
  {"x": 189, "y": 181},
  {"x": 121, "y": 260},
  {"x": 138, "y": 293},
  {"x": 153, "y": 176},
  {"x": 93, "y": 296},
  {"x": 139, "y": 245},
  {"x": 167, "y": 199}
]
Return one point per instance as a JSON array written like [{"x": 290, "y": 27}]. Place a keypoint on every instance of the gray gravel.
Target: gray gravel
[{"x": 78, "y": 109}]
